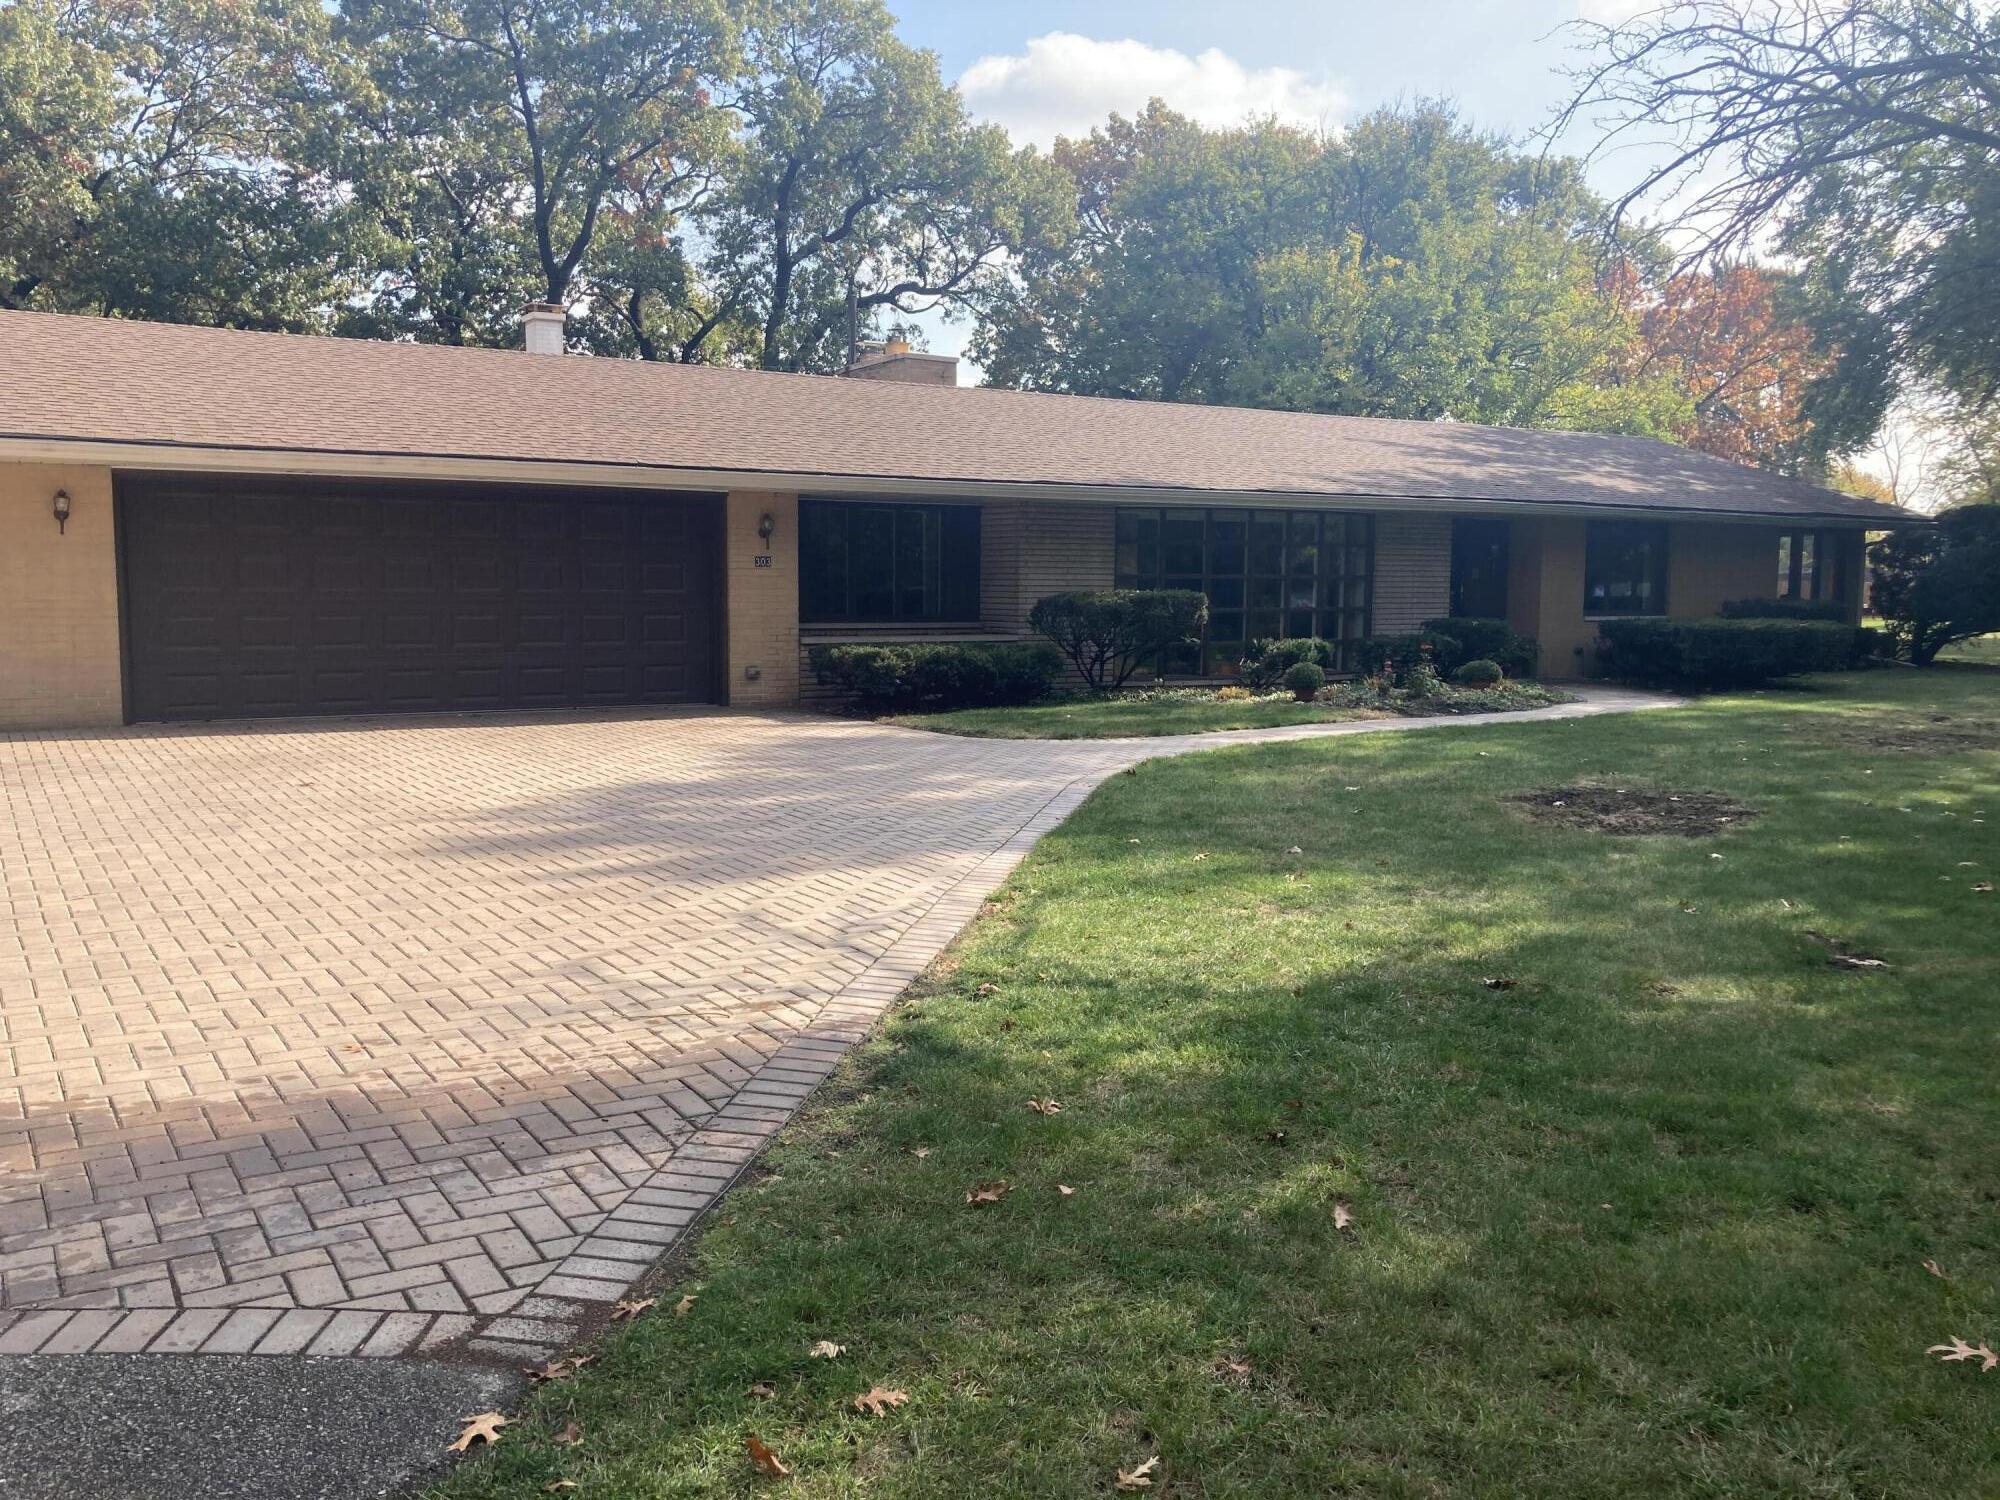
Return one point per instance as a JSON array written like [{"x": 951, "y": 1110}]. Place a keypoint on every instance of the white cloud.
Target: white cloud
[{"x": 1064, "y": 84}]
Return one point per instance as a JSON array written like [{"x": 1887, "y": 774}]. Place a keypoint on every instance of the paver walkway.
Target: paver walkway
[{"x": 386, "y": 1036}]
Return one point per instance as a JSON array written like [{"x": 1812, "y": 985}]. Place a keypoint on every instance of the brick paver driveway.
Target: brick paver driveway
[{"x": 378, "y": 1036}]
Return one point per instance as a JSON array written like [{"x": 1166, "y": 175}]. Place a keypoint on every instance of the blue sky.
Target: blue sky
[{"x": 1496, "y": 56}]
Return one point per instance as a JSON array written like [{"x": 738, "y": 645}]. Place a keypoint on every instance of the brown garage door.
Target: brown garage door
[{"x": 259, "y": 597}]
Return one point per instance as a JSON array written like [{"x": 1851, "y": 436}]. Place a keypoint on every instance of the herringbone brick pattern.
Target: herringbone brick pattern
[{"x": 364, "y": 1036}]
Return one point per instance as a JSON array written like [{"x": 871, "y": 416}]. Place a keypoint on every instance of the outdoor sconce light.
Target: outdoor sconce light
[
  {"x": 61, "y": 509},
  {"x": 766, "y": 525}
]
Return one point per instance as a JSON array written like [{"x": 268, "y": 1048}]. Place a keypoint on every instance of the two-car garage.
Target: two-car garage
[{"x": 250, "y": 596}]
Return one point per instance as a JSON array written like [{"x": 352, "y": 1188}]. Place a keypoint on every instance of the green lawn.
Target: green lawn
[
  {"x": 1140, "y": 715},
  {"x": 1981, "y": 650},
  {"x": 1651, "y": 1220}
]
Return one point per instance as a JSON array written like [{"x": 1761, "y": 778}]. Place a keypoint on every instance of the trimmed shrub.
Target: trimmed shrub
[
  {"x": 944, "y": 675},
  {"x": 1488, "y": 640},
  {"x": 1400, "y": 654},
  {"x": 1108, "y": 634},
  {"x": 1784, "y": 609},
  {"x": 1479, "y": 673},
  {"x": 1725, "y": 653},
  {"x": 1268, "y": 662},
  {"x": 1304, "y": 679}
]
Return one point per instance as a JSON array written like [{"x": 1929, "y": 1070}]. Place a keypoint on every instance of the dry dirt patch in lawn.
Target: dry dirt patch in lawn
[
  {"x": 1617, "y": 810},
  {"x": 1938, "y": 735}
]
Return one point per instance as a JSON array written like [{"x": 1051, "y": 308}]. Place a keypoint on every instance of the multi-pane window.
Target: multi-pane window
[
  {"x": 1625, "y": 568},
  {"x": 1267, "y": 573},
  {"x": 885, "y": 564},
  {"x": 1809, "y": 567}
]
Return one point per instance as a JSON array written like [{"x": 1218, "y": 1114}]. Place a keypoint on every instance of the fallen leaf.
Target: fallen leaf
[
  {"x": 1983, "y": 886},
  {"x": 1958, "y": 1350},
  {"x": 620, "y": 1311},
  {"x": 1045, "y": 1106},
  {"x": 1240, "y": 1368},
  {"x": 555, "y": 1485},
  {"x": 558, "y": 1369},
  {"x": 1140, "y": 1478},
  {"x": 1065, "y": 1189},
  {"x": 826, "y": 1349},
  {"x": 1343, "y": 1216},
  {"x": 685, "y": 1306},
  {"x": 1295, "y": 849},
  {"x": 987, "y": 989},
  {"x": 921, "y": 1152},
  {"x": 762, "y": 1459},
  {"x": 877, "y": 1398},
  {"x": 1201, "y": 856},
  {"x": 992, "y": 1192},
  {"x": 1275, "y": 1137},
  {"x": 483, "y": 1428},
  {"x": 1936, "y": 1270},
  {"x": 570, "y": 1436},
  {"x": 1499, "y": 983},
  {"x": 763, "y": 1390}
]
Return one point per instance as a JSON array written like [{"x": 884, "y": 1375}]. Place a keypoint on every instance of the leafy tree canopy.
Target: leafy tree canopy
[
  {"x": 148, "y": 155},
  {"x": 1860, "y": 139},
  {"x": 1413, "y": 267}
]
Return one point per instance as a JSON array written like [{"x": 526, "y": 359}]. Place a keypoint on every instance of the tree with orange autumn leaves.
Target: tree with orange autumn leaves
[{"x": 1747, "y": 366}]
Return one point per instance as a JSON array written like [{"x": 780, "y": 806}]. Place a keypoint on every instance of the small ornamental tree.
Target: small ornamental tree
[
  {"x": 1108, "y": 634},
  {"x": 1939, "y": 584}
]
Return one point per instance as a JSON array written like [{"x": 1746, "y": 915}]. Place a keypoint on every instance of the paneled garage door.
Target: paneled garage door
[{"x": 261, "y": 597}]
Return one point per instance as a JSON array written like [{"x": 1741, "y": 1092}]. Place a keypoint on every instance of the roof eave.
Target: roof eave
[{"x": 192, "y": 458}]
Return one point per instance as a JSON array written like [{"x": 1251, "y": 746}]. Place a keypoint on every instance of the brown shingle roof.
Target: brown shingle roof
[{"x": 90, "y": 379}]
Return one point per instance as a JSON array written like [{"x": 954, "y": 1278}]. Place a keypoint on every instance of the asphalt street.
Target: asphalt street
[{"x": 161, "y": 1427}]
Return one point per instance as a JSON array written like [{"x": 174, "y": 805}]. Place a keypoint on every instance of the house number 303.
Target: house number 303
[{"x": 762, "y": 560}]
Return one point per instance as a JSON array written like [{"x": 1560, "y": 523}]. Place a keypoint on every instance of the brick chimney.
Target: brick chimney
[
  {"x": 544, "y": 328},
  {"x": 896, "y": 360}
]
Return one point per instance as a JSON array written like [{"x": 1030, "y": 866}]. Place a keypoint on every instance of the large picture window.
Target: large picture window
[
  {"x": 887, "y": 564},
  {"x": 1267, "y": 573},
  {"x": 1625, "y": 568}
]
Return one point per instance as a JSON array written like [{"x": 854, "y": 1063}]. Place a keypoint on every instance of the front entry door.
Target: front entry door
[{"x": 1478, "y": 569}]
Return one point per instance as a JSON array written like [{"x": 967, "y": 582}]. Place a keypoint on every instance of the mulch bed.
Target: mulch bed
[{"x": 1619, "y": 811}]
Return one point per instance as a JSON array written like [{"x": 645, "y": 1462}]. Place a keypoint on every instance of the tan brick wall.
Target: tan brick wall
[
  {"x": 761, "y": 605},
  {"x": 1031, "y": 549},
  {"x": 59, "y": 648},
  {"x": 1708, "y": 565},
  {"x": 1412, "y": 571}
]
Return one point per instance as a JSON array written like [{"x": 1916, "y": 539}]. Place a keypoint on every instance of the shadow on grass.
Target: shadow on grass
[{"x": 1649, "y": 1219}]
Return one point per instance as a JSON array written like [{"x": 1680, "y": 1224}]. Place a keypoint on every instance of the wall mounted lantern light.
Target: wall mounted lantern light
[
  {"x": 766, "y": 525},
  {"x": 61, "y": 509}
]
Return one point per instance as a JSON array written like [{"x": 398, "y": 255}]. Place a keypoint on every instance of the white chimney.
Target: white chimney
[{"x": 544, "y": 328}]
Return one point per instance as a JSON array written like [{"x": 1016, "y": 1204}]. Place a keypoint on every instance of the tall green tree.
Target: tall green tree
[
  {"x": 493, "y": 141},
  {"x": 1411, "y": 268},
  {"x": 858, "y": 189},
  {"x": 149, "y": 161}
]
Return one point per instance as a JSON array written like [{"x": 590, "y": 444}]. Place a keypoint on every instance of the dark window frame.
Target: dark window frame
[
  {"x": 1608, "y": 552},
  {"x": 1823, "y": 579},
  {"x": 921, "y": 562},
  {"x": 1265, "y": 572}
]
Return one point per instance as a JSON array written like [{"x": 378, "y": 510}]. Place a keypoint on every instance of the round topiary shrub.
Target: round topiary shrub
[
  {"x": 1478, "y": 674},
  {"x": 1304, "y": 679}
]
